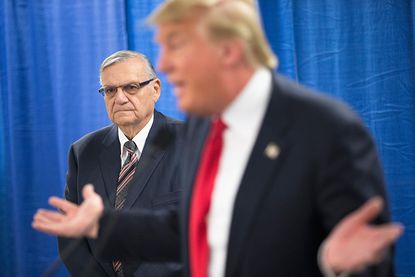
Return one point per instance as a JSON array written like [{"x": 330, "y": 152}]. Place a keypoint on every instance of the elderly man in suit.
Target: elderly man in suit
[
  {"x": 127, "y": 163},
  {"x": 268, "y": 171}
]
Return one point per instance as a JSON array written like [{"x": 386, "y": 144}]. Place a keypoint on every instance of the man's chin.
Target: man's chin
[
  {"x": 124, "y": 122},
  {"x": 187, "y": 107}
]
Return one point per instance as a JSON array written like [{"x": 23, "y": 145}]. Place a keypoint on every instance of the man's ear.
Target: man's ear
[
  {"x": 156, "y": 89},
  {"x": 232, "y": 52}
]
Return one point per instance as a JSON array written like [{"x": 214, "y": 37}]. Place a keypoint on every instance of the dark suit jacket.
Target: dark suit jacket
[
  {"x": 285, "y": 207},
  {"x": 95, "y": 159}
]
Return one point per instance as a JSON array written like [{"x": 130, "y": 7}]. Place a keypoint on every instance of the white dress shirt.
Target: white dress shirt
[
  {"x": 139, "y": 139},
  {"x": 243, "y": 119}
]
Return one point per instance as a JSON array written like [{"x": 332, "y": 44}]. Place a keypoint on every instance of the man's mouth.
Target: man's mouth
[
  {"x": 117, "y": 111},
  {"x": 178, "y": 86}
]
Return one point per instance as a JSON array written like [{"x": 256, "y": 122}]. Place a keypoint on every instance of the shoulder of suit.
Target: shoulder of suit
[
  {"x": 171, "y": 123},
  {"x": 94, "y": 136},
  {"x": 312, "y": 105}
]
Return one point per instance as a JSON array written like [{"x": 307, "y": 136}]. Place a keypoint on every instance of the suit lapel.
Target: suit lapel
[
  {"x": 200, "y": 128},
  {"x": 266, "y": 156},
  {"x": 149, "y": 159},
  {"x": 110, "y": 164}
]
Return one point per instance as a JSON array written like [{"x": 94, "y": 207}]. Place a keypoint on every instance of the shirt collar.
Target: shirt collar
[
  {"x": 139, "y": 139},
  {"x": 249, "y": 106}
]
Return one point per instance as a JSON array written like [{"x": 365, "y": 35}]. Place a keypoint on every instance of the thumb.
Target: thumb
[
  {"x": 88, "y": 191},
  {"x": 368, "y": 211}
]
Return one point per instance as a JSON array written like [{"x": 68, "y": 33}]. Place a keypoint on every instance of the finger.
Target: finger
[
  {"x": 387, "y": 234},
  {"x": 45, "y": 227},
  {"x": 368, "y": 211},
  {"x": 392, "y": 231},
  {"x": 62, "y": 204},
  {"x": 40, "y": 219},
  {"x": 45, "y": 218},
  {"x": 50, "y": 215},
  {"x": 53, "y": 228},
  {"x": 88, "y": 191},
  {"x": 377, "y": 242}
]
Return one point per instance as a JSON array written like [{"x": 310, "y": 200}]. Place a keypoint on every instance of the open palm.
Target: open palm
[
  {"x": 355, "y": 244},
  {"x": 71, "y": 220}
]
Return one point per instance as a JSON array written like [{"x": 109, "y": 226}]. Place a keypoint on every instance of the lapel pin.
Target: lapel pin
[{"x": 272, "y": 151}]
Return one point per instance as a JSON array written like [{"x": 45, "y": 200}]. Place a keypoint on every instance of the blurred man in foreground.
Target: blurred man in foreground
[{"x": 268, "y": 171}]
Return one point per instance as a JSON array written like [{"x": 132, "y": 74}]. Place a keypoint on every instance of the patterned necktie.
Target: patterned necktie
[
  {"x": 200, "y": 202},
  {"x": 124, "y": 179}
]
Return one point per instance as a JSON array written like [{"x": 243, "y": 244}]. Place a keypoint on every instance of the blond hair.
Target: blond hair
[{"x": 223, "y": 19}]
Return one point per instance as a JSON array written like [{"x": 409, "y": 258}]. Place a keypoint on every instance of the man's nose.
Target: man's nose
[
  {"x": 120, "y": 96},
  {"x": 163, "y": 63}
]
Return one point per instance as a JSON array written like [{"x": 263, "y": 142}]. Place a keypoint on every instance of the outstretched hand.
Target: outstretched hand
[
  {"x": 355, "y": 244},
  {"x": 71, "y": 220}
]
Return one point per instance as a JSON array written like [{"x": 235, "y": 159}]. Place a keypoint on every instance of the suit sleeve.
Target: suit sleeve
[
  {"x": 144, "y": 234},
  {"x": 75, "y": 253},
  {"x": 352, "y": 174}
]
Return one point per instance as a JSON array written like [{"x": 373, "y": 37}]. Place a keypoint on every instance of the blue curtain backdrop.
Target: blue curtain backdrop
[
  {"x": 50, "y": 54},
  {"x": 359, "y": 51}
]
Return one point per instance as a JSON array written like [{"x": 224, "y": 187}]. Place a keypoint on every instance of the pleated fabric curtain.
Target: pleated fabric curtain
[{"x": 50, "y": 54}]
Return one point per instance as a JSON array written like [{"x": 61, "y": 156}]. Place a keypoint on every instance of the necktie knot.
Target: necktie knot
[
  {"x": 130, "y": 146},
  {"x": 218, "y": 126}
]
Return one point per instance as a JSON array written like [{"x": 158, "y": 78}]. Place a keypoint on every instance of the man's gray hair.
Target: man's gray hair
[{"x": 124, "y": 55}]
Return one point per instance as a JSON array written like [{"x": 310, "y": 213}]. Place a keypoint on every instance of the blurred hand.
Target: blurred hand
[
  {"x": 354, "y": 244},
  {"x": 71, "y": 220}
]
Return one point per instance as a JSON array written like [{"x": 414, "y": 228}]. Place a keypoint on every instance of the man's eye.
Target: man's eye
[
  {"x": 176, "y": 44},
  {"x": 110, "y": 90},
  {"x": 131, "y": 88}
]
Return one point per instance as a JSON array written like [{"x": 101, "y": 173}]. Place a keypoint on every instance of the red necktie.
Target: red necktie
[{"x": 200, "y": 202}]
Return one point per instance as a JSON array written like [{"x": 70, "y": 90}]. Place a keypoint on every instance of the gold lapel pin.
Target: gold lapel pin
[{"x": 272, "y": 151}]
